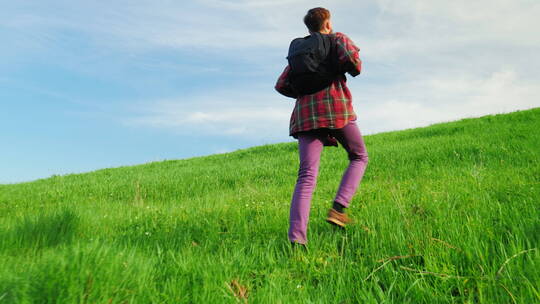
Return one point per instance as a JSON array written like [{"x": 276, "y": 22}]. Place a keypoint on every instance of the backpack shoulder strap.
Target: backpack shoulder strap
[{"x": 333, "y": 54}]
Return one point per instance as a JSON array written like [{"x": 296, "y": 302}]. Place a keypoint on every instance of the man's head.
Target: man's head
[{"x": 318, "y": 20}]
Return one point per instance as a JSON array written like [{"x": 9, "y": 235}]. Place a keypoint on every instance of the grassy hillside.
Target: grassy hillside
[{"x": 445, "y": 214}]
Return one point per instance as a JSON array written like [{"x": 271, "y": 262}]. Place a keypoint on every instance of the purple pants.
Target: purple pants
[{"x": 310, "y": 145}]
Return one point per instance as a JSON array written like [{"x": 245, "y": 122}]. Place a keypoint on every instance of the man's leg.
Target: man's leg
[
  {"x": 309, "y": 148},
  {"x": 351, "y": 139}
]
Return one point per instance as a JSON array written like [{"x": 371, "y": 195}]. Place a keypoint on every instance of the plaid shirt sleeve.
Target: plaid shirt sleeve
[
  {"x": 283, "y": 86},
  {"x": 348, "y": 57}
]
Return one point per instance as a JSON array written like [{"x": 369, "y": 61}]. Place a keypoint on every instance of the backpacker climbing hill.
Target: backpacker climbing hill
[{"x": 322, "y": 116}]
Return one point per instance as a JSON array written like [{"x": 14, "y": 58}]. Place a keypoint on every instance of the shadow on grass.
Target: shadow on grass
[
  {"x": 80, "y": 272},
  {"x": 42, "y": 231}
]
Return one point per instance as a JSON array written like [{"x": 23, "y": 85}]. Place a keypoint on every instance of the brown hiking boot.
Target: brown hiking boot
[{"x": 337, "y": 218}]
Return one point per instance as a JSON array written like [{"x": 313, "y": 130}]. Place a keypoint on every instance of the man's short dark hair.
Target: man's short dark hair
[{"x": 315, "y": 18}]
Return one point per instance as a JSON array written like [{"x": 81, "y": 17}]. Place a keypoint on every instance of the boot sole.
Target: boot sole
[{"x": 335, "y": 222}]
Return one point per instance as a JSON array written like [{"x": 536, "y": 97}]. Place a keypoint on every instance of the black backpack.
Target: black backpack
[{"x": 313, "y": 63}]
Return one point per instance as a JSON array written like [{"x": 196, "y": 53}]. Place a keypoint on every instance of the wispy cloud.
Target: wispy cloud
[
  {"x": 442, "y": 59},
  {"x": 226, "y": 113},
  {"x": 437, "y": 99},
  {"x": 146, "y": 25},
  {"x": 380, "y": 108}
]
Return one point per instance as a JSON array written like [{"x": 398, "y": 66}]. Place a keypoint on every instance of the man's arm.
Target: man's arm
[
  {"x": 283, "y": 86},
  {"x": 348, "y": 55}
]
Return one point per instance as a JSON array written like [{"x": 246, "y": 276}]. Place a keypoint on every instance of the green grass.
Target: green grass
[{"x": 445, "y": 214}]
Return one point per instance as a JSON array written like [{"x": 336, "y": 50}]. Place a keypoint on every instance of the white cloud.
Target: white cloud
[
  {"x": 148, "y": 25},
  {"x": 438, "y": 99},
  {"x": 381, "y": 108},
  {"x": 424, "y": 60},
  {"x": 227, "y": 112}
]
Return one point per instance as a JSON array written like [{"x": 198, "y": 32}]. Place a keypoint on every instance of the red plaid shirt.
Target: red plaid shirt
[{"x": 331, "y": 107}]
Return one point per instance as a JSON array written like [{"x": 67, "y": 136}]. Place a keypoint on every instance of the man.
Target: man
[{"x": 318, "y": 120}]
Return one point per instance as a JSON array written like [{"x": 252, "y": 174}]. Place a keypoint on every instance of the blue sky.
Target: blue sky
[{"x": 86, "y": 85}]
